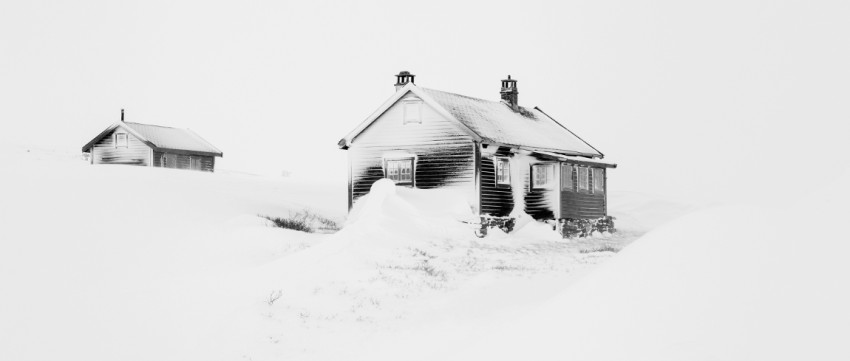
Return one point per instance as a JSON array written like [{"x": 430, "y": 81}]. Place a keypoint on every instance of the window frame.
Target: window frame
[
  {"x": 195, "y": 163},
  {"x": 568, "y": 177},
  {"x": 411, "y": 106},
  {"x": 550, "y": 175},
  {"x": 126, "y": 140},
  {"x": 507, "y": 162},
  {"x": 583, "y": 186},
  {"x": 408, "y": 160},
  {"x": 597, "y": 179}
]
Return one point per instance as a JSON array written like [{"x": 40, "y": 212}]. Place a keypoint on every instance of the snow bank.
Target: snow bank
[
  {"x": 728, "y": 283},
  {"x": 114, "y": 262}
]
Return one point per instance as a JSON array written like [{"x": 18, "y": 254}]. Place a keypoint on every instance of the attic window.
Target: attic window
[
  {"x": 120, "y": 140},
  {"x": 412, "y": 111},
  {"x": 503, "y": 171},
  {"x": 542, "y": 176},
  {"x": 399, "y": 171}
]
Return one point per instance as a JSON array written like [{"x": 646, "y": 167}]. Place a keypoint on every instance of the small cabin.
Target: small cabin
[
  {"x": 505, "y": 158},
  {"x": 151, "y": 146}
]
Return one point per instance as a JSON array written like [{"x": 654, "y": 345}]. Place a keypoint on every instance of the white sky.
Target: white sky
[{"x": 704, "y": 102}]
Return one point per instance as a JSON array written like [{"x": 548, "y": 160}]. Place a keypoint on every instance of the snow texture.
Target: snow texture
[
  {"x": 138, "y": 263},
  {"x": 495, "y": 121}
]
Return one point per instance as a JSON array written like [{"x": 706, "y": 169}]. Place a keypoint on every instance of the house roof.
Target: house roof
[
  {"x": 497, "y": 122},
  {"x": 162, "y": 138},
  {"x": 494, "y": 122}
]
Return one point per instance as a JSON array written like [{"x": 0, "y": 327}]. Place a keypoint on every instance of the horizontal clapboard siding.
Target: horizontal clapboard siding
[
  {"x": 496, "y": 200},
  {"x": 444, "y": 154},
  {"x": 582, "y": 204},
  {"x": 136, "y": 152}
]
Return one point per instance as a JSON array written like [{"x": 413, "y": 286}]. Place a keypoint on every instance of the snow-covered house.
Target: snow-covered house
[
  {"x": 506, "y": 159},
  {"x": 152, "y": 146}
]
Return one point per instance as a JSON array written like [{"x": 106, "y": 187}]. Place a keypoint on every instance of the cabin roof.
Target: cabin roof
[
  {"x": 497, "y": 122},
  {"x": 493, "y": 122},
  {"x": 162, "y": 138}
]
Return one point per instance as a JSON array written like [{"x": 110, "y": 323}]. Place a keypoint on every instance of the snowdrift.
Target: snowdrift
[{"x": 728, "y": 283}]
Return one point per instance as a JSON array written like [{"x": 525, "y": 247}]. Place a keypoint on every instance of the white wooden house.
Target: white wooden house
[
  {"x": 151, "y": 146},
  {"x": 504, "y": 157}
]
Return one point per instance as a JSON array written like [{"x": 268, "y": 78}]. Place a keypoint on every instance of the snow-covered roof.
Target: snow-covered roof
[
  {"x": 492, "y": 122},
  {"x": 497, "y": 122},
  {"x": 163, "y": 138},
  {"x": 579, "y": 160}
]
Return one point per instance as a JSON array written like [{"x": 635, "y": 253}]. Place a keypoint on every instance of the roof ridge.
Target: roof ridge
[
  {"x": 478, "y": 99},
  {"x": 461, "y": 95},
  {"x": 155, "y": 125}
]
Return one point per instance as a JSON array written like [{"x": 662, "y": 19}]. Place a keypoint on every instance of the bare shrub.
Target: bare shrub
[{"x": 305, "y": 221}]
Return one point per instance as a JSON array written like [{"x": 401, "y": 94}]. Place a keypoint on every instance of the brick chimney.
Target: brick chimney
[
  {"x": 509, "y": 92},
  {"x": 403, "y": 78}
]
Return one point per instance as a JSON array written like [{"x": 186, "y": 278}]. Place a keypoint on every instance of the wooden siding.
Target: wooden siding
[
  {"x": 582, "y": 204},
  {"x": 444, "y": 155},
  {"x": 181, "y": 161},
  {"x": 136, "y": 152},
  {"x": 496, "y": 200}
]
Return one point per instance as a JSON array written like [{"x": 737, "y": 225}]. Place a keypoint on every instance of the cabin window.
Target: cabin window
[
  {"x": 400, "y": 171},
  {"x": 598, "y": 180},
  {"x": 542, "y": 176},
  {"x": 567, "y": 177},
  {"x": 194, "y": 163},
  {"x": 503, "y": 171},
  {"x": 412, "y": 111},
  {"x": 583, "y": 178},
  {"x": 120, "y": 140}
]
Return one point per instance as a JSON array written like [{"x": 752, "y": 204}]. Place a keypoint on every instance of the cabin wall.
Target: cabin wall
[
  {"x": 496, "y": 199},
  {"x": 445, "y": 155},
  {"x": 583, "y": 204},
  {"x": 136, "y": 152},
  {"x": 541, "y": 203},
  {"x": 181, "y": 161}
]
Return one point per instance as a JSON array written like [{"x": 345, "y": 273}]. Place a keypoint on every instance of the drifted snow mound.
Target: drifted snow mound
[
  {"x": 728, "y": 283},
  {"x": 408, "y": 213}
]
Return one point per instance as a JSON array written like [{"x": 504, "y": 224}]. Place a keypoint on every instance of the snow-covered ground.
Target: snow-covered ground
[{"x": 133, "y": 263}]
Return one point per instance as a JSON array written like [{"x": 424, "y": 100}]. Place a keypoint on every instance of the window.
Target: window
[
  {"x": 412, "y": 111},
  {"x": 194, "y": 163},
  {"x": 583, "y": 179},
  {"x": 120, "y": 140},
  {"x": 503, "y": 171},
  {"x": 567, "y": 177},
  {"x": 400, "y": 171},
  {"x": 542, "y": 175},
  {"x": 598, "y": 180}
]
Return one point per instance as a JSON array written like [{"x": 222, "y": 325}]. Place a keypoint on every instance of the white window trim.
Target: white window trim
[
  {"x": 410, "y": 160},
  {"x": 572, "y": 168},
  {"x": 416, "y": 104},
  {"x": 594, "y": 180},
  {"x": 550, "y": 176},
  {"x": 126, "y": 140},
  {"x": 588, "y": 187},
  {"x": 507, "y": 162}
]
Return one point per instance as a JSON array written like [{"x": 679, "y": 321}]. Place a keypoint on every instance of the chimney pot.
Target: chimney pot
[
  {"x": 402, "y": 78},
  {"x": 509, "y": 93}
]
